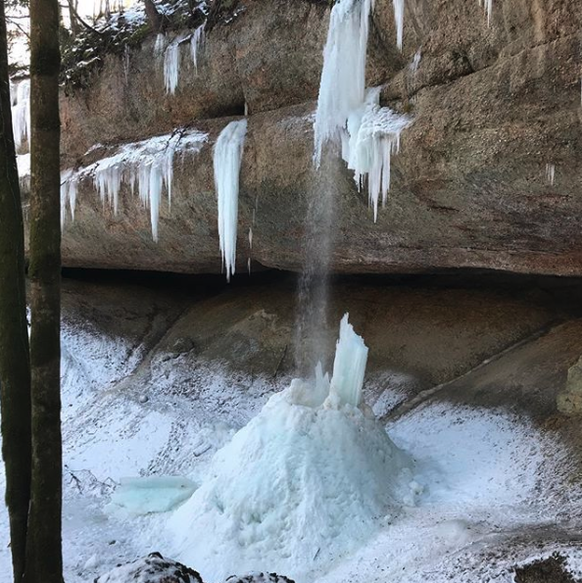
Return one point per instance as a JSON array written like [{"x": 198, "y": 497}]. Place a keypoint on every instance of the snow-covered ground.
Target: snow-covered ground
[{"x": 494, "y": 486}]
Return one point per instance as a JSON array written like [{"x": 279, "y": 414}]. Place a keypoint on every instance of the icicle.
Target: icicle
[
  {"x": 488, "y": 5},
  {"x": 228, "y": 152},
  {"x": 172, "y": 65},
  {"x": 148, "y": 164},
  {"x": 372, "y": 136},
  {"x": 68, "y": 194},
  {"x": 196, "y": 44},
  {"x": 160, "y": 44},
  {"x": 349, "y": 366},
  {"x": 21, "y": 112},
  {"x": 399, "y": 21},
  {"x": 550, "y": 173},
  {"x": 250, "y": 237},
  {"x": 342, "y": 86}
]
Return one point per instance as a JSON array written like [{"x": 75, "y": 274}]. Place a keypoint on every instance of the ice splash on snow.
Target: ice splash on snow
[
  {"x": 369, "y": 134},
  {"x": 308, "y": 480},
  {"x": 372, "y": 136},
  {"x": 196, "y": 44},
  {"x": 20, "y": 96},
  {"x": 343, "y": 78},
  {"x": 228, "y": 152},
  {"x": 149, "y": 164}
]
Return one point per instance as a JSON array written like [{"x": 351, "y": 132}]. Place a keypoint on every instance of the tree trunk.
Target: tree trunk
[
  {"x": 154, "y": 17},
  {"x": 14, "y": 355},
  {"x": 44, "y": 552}
]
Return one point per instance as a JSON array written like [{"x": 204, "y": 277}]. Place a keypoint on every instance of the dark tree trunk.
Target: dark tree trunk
[
  {"x": 154, "y": 17},
  {"x": 44, "y": 554},
  {"x": 14, "y": 355}
]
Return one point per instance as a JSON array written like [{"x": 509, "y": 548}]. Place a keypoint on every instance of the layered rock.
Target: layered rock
[{"x": 492, "y": 107}]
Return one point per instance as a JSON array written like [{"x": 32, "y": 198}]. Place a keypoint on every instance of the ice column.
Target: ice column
[
  {"x": 349, "y": 366},
  {"x": 343, "y": 78},
  {"x": 228, "y": 152}
]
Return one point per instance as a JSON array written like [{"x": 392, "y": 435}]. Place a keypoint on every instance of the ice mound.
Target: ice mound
[{"x": 309, "y": 479}]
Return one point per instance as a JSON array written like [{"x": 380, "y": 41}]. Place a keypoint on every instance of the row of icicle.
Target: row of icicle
[{"x": 347, "y": 113}]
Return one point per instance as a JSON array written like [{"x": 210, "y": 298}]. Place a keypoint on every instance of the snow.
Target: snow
[
  {"x": 228, "y": 152},
  {"x": 141, "y": 496},
  {"x": 149, "y": 164},
  {"x": 21, "y": 112},
  {"x": 196, "y": 44},
  {"x": 349, "y": 367},
  {"x": 372, "y": 136},
  {"x": 342, "y": 86}
]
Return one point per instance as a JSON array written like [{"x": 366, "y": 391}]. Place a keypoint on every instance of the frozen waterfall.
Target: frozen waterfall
[
  {"x": 309, "y": 479},
  {"x": 343, "y": 78},
  {"x": 228, "y": 152},
  {"x": 149, "y": 164},
  {"x": 346, "y": 112}
]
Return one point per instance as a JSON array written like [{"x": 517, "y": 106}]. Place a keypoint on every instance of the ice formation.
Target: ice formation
[
  {"x": 349, "y": 367},
  {"x": 488, "y": 5},
  {"x": 550, "y": 173},
  {"x": 399, "y": 20},
  {"x": 148, "y": 164},
  {"x": 196, "y": 43},
  {"x": 68, "y": 195},
  {"x": 371, "y": 137},
  {"x": 343, "y": 78},
  {"x": 369, "y": 134},
  {"x": 172, "y": 65},
  {"x": 309, "y": 479},
  {"x": 228, "y": 152},
  {"x": 21, "y": 112},
  {"x": 160, "y": 44},
  {"x": 141, "y": 496}
]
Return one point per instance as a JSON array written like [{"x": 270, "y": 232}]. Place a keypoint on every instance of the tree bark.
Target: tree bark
[
  {"x": 14, "y": 351},
  {"x": 154, "y": 17},
  {"x": 44, "y": 549}
]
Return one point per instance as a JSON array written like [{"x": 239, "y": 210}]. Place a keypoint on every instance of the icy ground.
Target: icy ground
[{"x": 495, "y": 486}]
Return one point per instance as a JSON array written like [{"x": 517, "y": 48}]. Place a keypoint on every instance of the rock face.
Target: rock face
[
  {"x": 570, "y": 400},
  {"x": 492, "y": 106}
]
